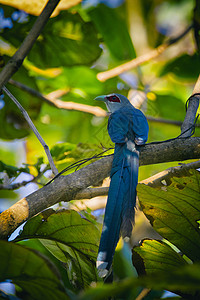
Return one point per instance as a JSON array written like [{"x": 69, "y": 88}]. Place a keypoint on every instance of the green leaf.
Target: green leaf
[
  {"x": 66, "y": 40},
  {"x": 113, "y": 29},
  {"x": 118, "y": 290},
  {"x": 68, "y": 35},
  {"x": 184, "y": 280},
  {"x": 65, "y": 154},
  {"x": 155, "y": 256},
  {"x": 35, "y": 244},
  {"x": 70, "y": 238},
  {"x": 174, "y": 211},
  {"x": 11, "y": 170},
  {"x": 59, "y": 151},
  {"x": 168, "y": 107},
  {"x": 31, "y": 271},
  {"x": 185, "y": 67}
]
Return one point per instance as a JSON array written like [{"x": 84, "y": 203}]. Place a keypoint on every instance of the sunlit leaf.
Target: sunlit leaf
[
  {"x": 76, "y": 42},
  {"x": 70, "y": 238},
  {"x": 174, "y": 211},
  {"x": 31, "y": 271},
  {"x": 35, "y": 7},
  {"x": 68, "y": 34},
  {"x": 153, "y": 256}
]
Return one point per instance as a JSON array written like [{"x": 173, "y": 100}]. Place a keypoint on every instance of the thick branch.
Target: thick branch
[
  {"x": 16, "y": 61},
  {"x": 193, "y": 104},
  {"x": 65, "y": 188},
  {"x": 157, "y": 180}
]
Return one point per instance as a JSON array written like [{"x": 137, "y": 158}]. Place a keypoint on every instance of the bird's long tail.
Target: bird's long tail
[{"x": 120, "y": 208}]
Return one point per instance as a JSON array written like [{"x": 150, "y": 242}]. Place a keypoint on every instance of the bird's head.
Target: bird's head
[{"x": 114, "y": 101}]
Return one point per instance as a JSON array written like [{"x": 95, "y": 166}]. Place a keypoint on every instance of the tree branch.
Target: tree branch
[
  {"x": 16, "y": 61},
  {"x": 65, "y": 188},
  {"x": 143, "y": 294},
  {"x": 34, "y": 129},
  {"x": 95, "y": 110},
  {"x": 154, "y": 181},
  {"x": 103, "y": 76}
]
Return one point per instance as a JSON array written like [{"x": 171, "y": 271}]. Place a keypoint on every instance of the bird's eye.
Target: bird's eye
[{"x": 113, "y": 98}]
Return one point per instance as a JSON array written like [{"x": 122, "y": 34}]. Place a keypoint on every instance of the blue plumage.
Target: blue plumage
[{"x": 128, "y": 128}]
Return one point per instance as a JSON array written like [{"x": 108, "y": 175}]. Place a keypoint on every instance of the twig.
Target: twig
[
  {"x": 103, "y": 76},
  {"x": 95, "y": 110},
  {"x": 143, "y": 294},
  {"x": 16, "y": 61},
  {"x": 193, "y": 104},
  {"x": 159, "y": 179},
  {"x": 15, "y": 186},
  {"x": 65, "y": 188},
  {"x": 32, "y": 126},
  {"x": 92, "y": 192}
]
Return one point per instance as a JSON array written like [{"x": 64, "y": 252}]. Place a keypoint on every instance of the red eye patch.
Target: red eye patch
[{"x": 113, "y": 98}]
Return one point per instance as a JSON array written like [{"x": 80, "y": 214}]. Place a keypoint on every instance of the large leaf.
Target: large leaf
[
  {"x": 155, "y": 256},
  {"x": 174, "y": 211},
  {"x": 70, "y": 238},
  {"x": 75, "y": 40},
  {"x": 185, "y": 66},
  {"x": 31, "y": 271},
  {"x": 114, "y": 31}
]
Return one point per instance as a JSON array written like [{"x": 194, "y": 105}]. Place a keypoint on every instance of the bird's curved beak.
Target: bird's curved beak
[{"x": 101, "y": 98}]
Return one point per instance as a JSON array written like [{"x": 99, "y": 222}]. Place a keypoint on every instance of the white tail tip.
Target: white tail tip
[
  {"x": 126, "y": 239},
  {"x": 101, "y": 268}
]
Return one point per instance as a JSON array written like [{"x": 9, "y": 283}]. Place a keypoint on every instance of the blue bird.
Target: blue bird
[{"x": 128, "y": 129}]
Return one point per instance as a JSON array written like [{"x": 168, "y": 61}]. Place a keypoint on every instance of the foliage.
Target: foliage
[
  {"x": 54, "y": 255},
  {"x": 36, "y": 276},
  {"x": 71, "y": 238}
]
